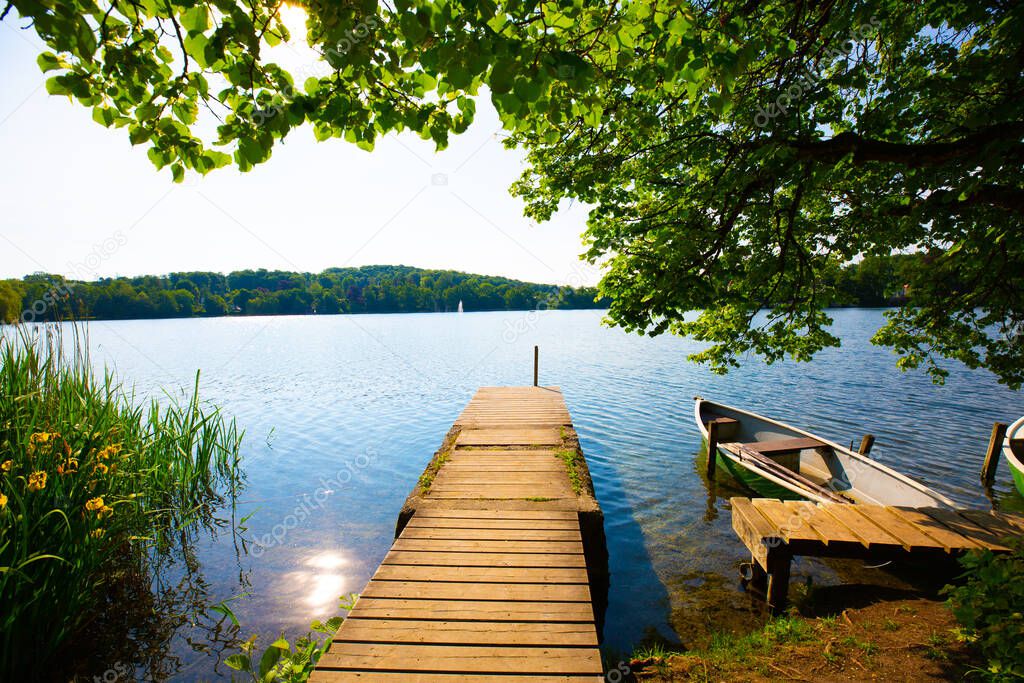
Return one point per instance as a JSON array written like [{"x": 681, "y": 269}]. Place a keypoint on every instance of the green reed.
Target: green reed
[{"x": 93, "y": 486}]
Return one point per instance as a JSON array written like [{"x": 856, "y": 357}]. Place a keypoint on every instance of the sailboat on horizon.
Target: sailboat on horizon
[{"x": 460, "y": 305}]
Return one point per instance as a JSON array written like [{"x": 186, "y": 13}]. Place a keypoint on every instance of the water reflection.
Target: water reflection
[{"x": 317, "y": 585}]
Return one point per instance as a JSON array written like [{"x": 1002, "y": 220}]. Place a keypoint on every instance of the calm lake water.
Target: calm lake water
[{"x": 342, "y": 413}]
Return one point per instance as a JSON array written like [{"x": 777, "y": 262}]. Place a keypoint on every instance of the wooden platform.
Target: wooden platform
[
  {"x": 776, "y": 531},
  {"x": 488, "y": 579}
]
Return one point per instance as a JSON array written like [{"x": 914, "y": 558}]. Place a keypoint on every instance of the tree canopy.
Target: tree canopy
[{"x": 735, "y": 153}]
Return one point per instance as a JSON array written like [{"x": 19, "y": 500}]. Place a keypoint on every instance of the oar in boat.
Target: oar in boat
[{"x": 783, "y": 472}]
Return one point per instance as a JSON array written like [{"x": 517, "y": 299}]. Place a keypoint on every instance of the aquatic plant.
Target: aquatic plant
[
  {"x": 279, "y": 663},
  {"x": 94, "y": 486},
  {"x": 572, "y": 459}
]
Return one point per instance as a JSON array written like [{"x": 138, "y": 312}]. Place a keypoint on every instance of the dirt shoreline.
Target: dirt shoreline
[{"x": 909, "y": 639}]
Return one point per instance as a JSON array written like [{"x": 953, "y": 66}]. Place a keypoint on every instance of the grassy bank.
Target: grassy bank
[
  {"x": 93, "y": 489},
  {"x": 908, "y": 639}
]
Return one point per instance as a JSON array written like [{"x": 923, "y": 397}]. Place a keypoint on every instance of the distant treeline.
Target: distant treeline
[
  {"x": 369, "y": 289},
  {"x": 873, "y": 281}
]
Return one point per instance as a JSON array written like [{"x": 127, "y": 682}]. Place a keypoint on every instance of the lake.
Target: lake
[{"x": 342, "y": 413}]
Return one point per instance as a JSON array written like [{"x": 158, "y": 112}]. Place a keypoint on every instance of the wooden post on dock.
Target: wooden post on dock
[
  {"x": 995, "y": 444},
  {"x": 712, "y": 448},
  {"x": 866, "y": 443},
  {"x": 536, "y": 364}
]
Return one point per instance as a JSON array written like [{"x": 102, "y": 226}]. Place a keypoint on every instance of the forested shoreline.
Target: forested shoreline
[
  {"x": 873, "y": 281},
  {"x": 367, "y": 289}
]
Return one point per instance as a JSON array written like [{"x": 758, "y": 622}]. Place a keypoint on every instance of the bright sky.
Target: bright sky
[{"x": 79, "y": 200}]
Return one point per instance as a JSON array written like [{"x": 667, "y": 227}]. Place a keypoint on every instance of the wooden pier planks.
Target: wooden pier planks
[
  {"x": 776, "y": 531},
  {"x": 488, "y": 592}
]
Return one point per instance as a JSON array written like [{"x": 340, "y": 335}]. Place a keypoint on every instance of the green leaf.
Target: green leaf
[
  {"x": 104, "y": 116},
  {"x": 48, "y": 61},
  {"x": 221, "y": 607},
  {"x": 55, "y": 86},
  {"x": 270, "y": 657},
  {"x": 196, "y": 20},
  {"x": 239, "y": 662}
]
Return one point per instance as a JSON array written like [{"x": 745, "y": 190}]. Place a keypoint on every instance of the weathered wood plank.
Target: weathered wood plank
[
  {"x": 546, "y": 575},
  {"x": 434, "y": 590},
  {"x": 869, "y": 533},
  {"x": 967, "y": 528},
  {"x": 461, "y": 658},
  {"x": 480, "y": 559},
  {"x": 467, "y": 632},
  {"x": 498, "y": 514},
  {"x": 470, "y": 610},
  {"x": 753, "y": 529},
  {"x": 415, "y": 677},
  {"x": 832, "y": 533},
  {"x": 326, "y": 676},
  {"x": 785, "y": 518},
  {"x": 418, "y": 522},
  {"x": 512, "y": 437},
  {"x": 544, "y": 477},
  {"x": 506, "y": 546},
  {"x": 492, "y": 534},
  {"x": 484, "y": 489},
  {"x": 911, "y": 536},
  {"x": 949, "y": 539}
]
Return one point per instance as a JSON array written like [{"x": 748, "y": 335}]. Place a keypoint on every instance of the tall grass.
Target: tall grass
[{"x": 93, "y": 487}]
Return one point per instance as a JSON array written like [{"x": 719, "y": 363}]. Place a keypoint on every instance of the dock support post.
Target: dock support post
[
  {"x": 712, "y": 448},
  {"x": 536, "y": 364},
  {"x": 777, "y": 593},
  {"x": 995, "y": 444},
  {"x": 866, "y": 442}
]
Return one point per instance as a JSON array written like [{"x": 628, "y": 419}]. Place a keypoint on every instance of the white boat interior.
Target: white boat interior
[{"x": 820, "y": 467}]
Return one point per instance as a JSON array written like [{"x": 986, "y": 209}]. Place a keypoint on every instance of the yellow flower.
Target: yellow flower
[
  {"x": 7, "y": 465},
  {"x": 100, "y": 467},
  {"x": 105, "y": 511},
  {"x": 37, "y": 481},
  {"x": 3, "y": 501},
  {"x": 94, "y": 503},
  {"x": 109, "y": 452},
  {"x": 39, "y": 439},
  {"x": 97, "y": 533},
  {"x": 69, "y": 467}
]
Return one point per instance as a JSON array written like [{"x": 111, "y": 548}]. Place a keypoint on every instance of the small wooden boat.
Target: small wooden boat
[
  {"x": 780, "y": 461},
  {"x": 1013, "y": 451}
]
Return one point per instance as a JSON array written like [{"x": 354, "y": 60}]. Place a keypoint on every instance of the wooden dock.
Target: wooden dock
[
  {"x": 776, "y": 531},
  {"x": 497, "y": 550}
]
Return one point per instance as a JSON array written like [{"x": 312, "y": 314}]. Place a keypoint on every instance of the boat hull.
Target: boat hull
[
  {"x": 1013, "y": 436},
  {"x": 805, "y": 465},
  {"x": 1018, "y": 479}
]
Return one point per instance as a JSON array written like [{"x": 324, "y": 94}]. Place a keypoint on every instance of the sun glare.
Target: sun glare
[{"x": 294, "y": 17}]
